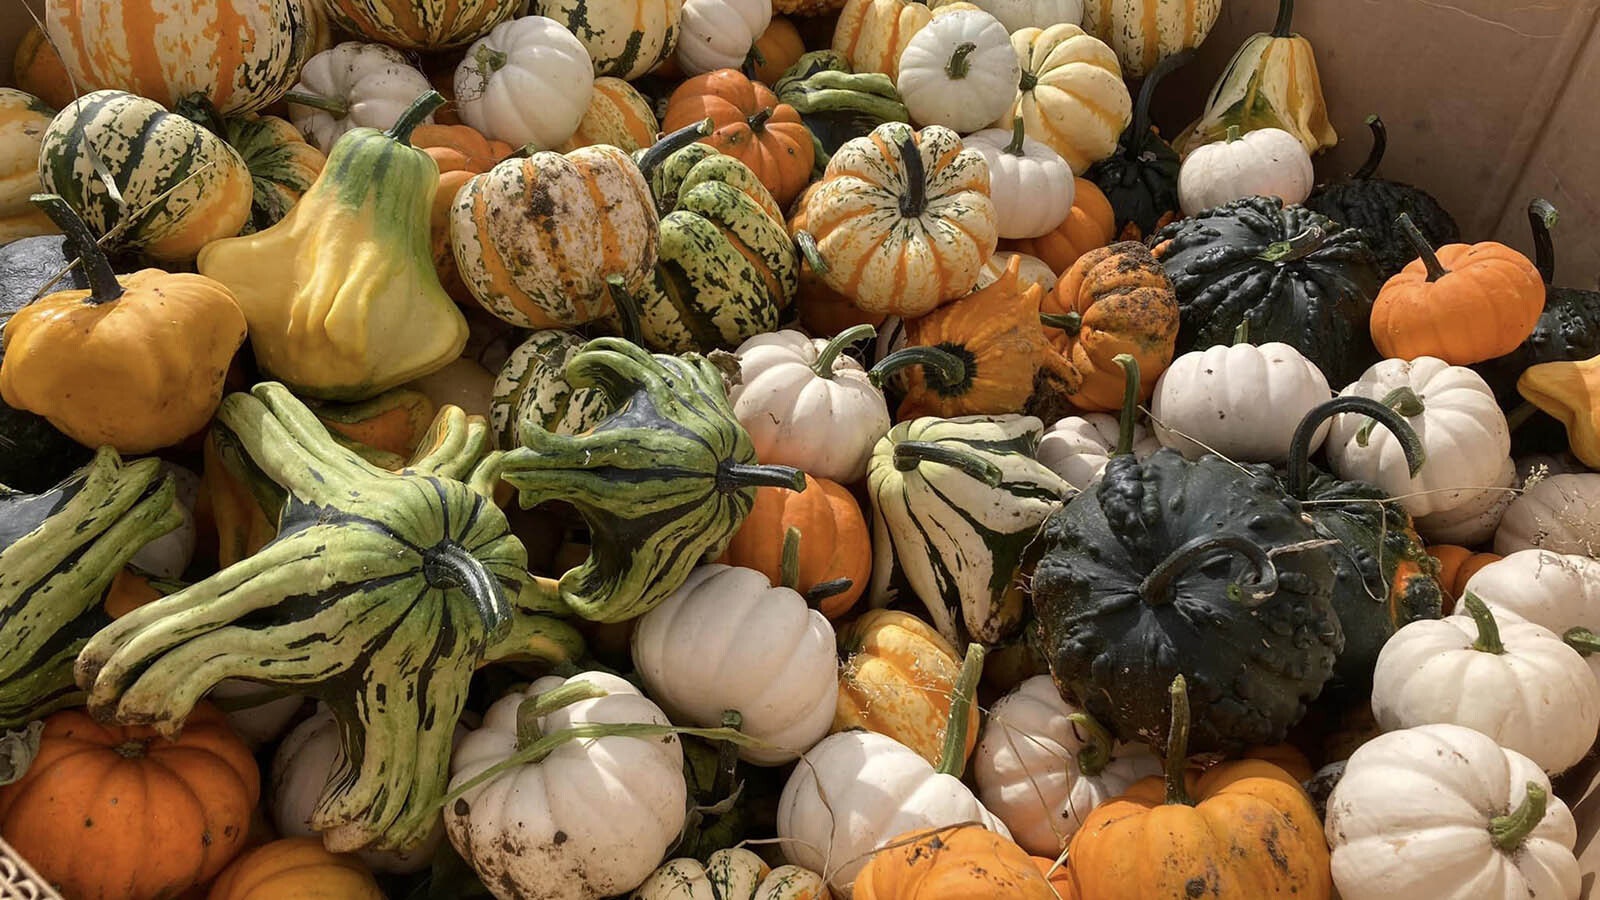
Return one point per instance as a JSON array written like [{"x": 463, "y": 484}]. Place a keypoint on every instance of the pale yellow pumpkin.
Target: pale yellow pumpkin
[
  {"x": 23, "y": 120},
  {"x": 1071, "y": 97},
  {"x": 897, "y": 680}
]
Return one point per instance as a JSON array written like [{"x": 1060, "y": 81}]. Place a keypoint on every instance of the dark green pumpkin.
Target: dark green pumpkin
[
  {"x": 1294, "y": 275},
  {"x": 1374, "y": 205},
  {"x": 836, "y": 104},
  {"x": 1141, "y": 177}
]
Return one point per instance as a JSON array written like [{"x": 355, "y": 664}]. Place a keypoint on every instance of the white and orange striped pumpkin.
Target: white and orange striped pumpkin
[
  {"x": 1072, "y": 98},
  {"x": 617, "y": 115},
  {"x": 1145, "y": 32},
  {"x": 421, "y": 24}
]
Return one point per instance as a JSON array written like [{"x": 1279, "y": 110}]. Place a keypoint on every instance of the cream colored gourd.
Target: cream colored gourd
[
  {"x": 625, "y": 40},
  {"x": 1018, "y": 14},
  {"x": 1267, "y": 162},
  {"x": 1240, "y": 401},
  {"x": 353, "y": 85},
  {"x": 1560, "y": 513},
  {"x": 1031, "y": 185},
  {"x": 1145, "y": 32},
  {"x": 527, "y": 82},
  {"x": 1071, "y": 96},
  {"x": 1559, "y": 591},
  {"x": 734, "y": 874},
  {"x": 719, "y": 34},
  {"x": 959, "y": 71},
  {"x": 1078, "y": 447}
]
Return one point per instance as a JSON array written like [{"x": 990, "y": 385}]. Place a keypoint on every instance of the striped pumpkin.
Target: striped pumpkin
[
  {"x": 38, "y": 70},
  {"x": 542, "y": 241},
  {"x": 625, "y": 39},
  {"x": 532, "y": 388},
  {"x": 618, "y": 115},
  {"x": 1071, "y": 98},
  {"x": 420, "y": 24},
  {"x": 241, "y": 55},
  {"x": 1145, "y": 32},
  {"x": 23, "y": 120},
  {"x": 182, "y": 186},
  {"x": 282, "y": 165}
]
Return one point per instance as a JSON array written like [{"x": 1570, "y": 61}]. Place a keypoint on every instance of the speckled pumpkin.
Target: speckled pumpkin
[
  {"x": 897, "y": 680},
  {"x": 1121, "y": 302}
]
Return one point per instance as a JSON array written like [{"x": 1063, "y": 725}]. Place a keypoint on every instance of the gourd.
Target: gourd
[
  {"x": 532, "y": 388},
  {"x": 872, "y": 34},
  {"x": 353, "y": 85},
  {"x": 460, "y": 152},
  {"x": 832, "y": 556},
  {"x": 624, "y": 40},
  {"x": 1016, "y": 15},
  {"x": 1509, "y": 835},
  {"x": 735, "y": 874},
  {"x": 1078, "y": 447},
  {"x": 1089, "y": 225},
  {"x": 956, "y": 502},
  {"x": 1031, "y": 185},
  {"x": 295, "y": 867},
  {"x": 1555, "y": 590},
  {"x": 720, "y": 34},
  {"x": 360, "y": 309},
  {"x": 123, "y": 390},
  {"x": 537, "y": 813},
  {"x": 1463, "y": 304},
  {"x": 1140, "y": 176},
  {"x": 836, "y": 104},
  {"x": 97, "y": 795},
  {"x": 779, "y": 47},
  {"x": 749, "y": 124},
  {"x": 1071, "y": 96},
  {"x": 948, "y": 863},
  {"x": 527, "y": 82},
  {"x": 617, "y": 115},
  {"x": 177, "y": 185},
  {"x": 1457, "y": 566},
  {"x": 430, "y": 25},
  {"x": 898, "y": 679},
  {"x": 167, "y": 557},
  {"x": 242, "y": 55},
  {"x": 1146, "y": 33},
  {"x": 1293, "y": 275},
  {"x": 1266, "y": 162},
  {"x": 1558, "y": 514},
  {"x": 1474, "y": 522},
  {"x": 1565, "y": 391},
  {"x": 24, "y": 119},
  {"x": 958, "y": 71},
  {"x": 282, "y": 165}
]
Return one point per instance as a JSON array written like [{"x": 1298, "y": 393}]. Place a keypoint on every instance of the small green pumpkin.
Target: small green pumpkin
[
  {"x": 836, "y": 104},
  {"x": 532, "y": 388}
]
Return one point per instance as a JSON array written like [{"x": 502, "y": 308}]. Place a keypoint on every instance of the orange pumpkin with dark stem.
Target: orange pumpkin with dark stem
[
  {"x": 778, "y": 48},
  {"x": 1457, "y": 565},
  {"x": 1462, "y": 303},
  {"x": 959, "y": 863},
  {"x": 109, "y": 813},
  {"x": 295, "y": 867},
  {"x": 833, "y": 541},
  {"x": 1089, "y": 226},
  {"x": 1113, "y": 300},
  {"x": 751, "y": 126}
]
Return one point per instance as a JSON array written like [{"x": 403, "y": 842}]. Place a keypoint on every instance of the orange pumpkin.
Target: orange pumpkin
[
  {"x": 461, "y": 152},
  {"x": 1089, "y": 226},
  {"x": 1457, "y": 565},
  {"x": 38, "y": 70},
  {"x": 897, "y": 680},
  {"x": 1060, "y": 878},
  {"x": 751, "y": 126},
  {"x": 1113, "y": 300},
  {"x": 295, "y": 867},
  {"x": 834, "y": 542},
  {"x": 617, "y": 115},
  {"x": 1463, "y": 303},
  {"x": 110, "y": 813},
  {"x": 960, "y": 863},
  {"x": 1286, "y": 757},
  {"x": 778, "y": 48},
  {"x": 129, "y": 590}
]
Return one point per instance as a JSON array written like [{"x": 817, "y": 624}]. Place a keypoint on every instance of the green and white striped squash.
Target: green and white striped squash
[
  {"x": 532, "y": 387},
  {"x": 956, "y": 502},
  {"x": 282, "y": 165},
  {"x": 178, "y": 186},
  {"x": 625, "y": 39}
]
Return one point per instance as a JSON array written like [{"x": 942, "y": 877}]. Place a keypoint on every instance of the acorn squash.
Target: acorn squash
[{"x": 1141, "y": 177}]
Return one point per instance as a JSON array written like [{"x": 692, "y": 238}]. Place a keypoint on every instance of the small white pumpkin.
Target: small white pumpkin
[
  {"x": 593, "y": 819},
  {"x": 353, "y": 85},
  {"x": 1032, "y": 271},
  {"x": 1016, "y": 14},
  {"x": 1439, "y": 812},
  {"x": 719, "y": 34},
  {"x": 1043, "y": 765},
  {"x": 1559, "y": 591},
  {"x": 1241, "y": 401},
  {"x": 1267, "y": 162},
  {"x": 1078, "y": 447},
  {"x": 735, "y": 874},
  {"x": 255, "y": 711},
  {"x": 1513, "y": 680},
  {"x": 527, "y": 82},
  {"x": 1474, "y": 521},
  {"x": 1560, "y": 513},
  {"x": 1031, "y": 185},
  {"x": 959, "y": 71},
  {"x": 169, "y": 555},
  {"x": 1453, "y": 412}
]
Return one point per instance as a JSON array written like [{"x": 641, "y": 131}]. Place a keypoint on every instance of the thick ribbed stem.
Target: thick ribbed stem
[
  {"x": 449, "y": 566},
  {"x": 1067, "y": 321},
  {"x": 330, "y": 105},
  {"x": 1283, "y": 27},
  {"x": 959, "y": 66},
  {"x": 915, "y": 201},
  {"x": 103, "y": 284},
  {"x": 1018, "y": 135},
  {"x": 1131, "y": 380},
  {"x": 1380, "y": 144},
  {"x": 627, "y": 309},
  {"x": 1488, "y": 629},
  {"x": 1097, "y": 744},
  {"x": 910, "y": 454},
  {"x": 1298, "y": 247},
  {"x": 651, "y": 159},
  {"x": 1542, "y": 216},
  {"x": 1509, "y": 831},
  {"x": 789, "y": 559},
  {"x": 1402, "y": 400},
  {"x": 536, "y": 707},
  {"x": 808, "y": 249},
  {"x": 732, "y": 476},
  {"x": 1582, "y": 640},
  {"x": 939, "y": 367},
  {"x": 1176, "y": 762}
]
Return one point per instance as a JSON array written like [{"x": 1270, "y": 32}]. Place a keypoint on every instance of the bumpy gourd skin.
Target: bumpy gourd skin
[{"x": 1373, "y": 205}]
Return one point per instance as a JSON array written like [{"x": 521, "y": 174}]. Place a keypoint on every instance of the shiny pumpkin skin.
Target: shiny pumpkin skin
[
  {"x": 834, "y": 539},
  {"x": 1483, "y": 305},
  {"x": 778, "y": 48},
  {"x": 751, "y": 126},
  {"x": 1127, "y": 306},
  {"x": 420, "y": 24},
  {"x": 625, "y": 40},
  {"x": 295, "y": 867},
  {"x": 1457, "y": 565},
  {"x": 618, "y": 115},
  {"x": 897, "y": 679},
  {"x": 112, "y": 813},
  {"x": 959, "y": 863},
  {"x": 1089, "y": 226}
]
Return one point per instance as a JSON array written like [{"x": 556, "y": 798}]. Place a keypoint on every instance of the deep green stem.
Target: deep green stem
[
  {"x": 732, "y": 476},
  {"x": 1176, "y": 762},
  {"x": 1296, "y": 248},
  {"x": 1508, "y": 832},
  {"x": 1283, "y": 27},
  {"x": 759, "y": 121},
  {"x": 420, "y": 109},
  {"x": 1067, "y": 321},
  {"x": 808, "y": 249},
  {"x": 1488, "y": 629},
  {"x": 1156, "y": 589},
  {"x": 939, "y": 367},
  {"x": 1519, "y": 417},
  {"x": 829, "y": 354},
  {"x": 490, "y": 60},
  {"x": 1582, "y": 640},
  {"x": 953, "y": 755},
  {"x": 727, "y": 757},
  {"x": 1425, "y": 252},
  {"x": 450, "y": 566},
  {"x": 1147, "y": 92},
  {"x": 1097, "y": 744},
  {"x": 789, "y": 560},
  {"x": 910, "y": 454},
  {"x": 627, "y": 309},
  {"x": 1402, "y": 400},
  {"x": 1380, "y": 144},
  {"x": 822, "y": 590},
  {"x": 1018, "y": 135},
  {"x": 959, "y": 66},
  {"x": 1028, "y": 82},
  {"x": 1131, "y": 382},
  {"x": 651, "y": 159},
  {"x": 536, "y": 707},
  {"x": 1542, "y": 216},
  {"x": 1298, "y": 471},
  {"x": 330, "y": 105},
  {"x": 103, "y": 284},
  {"x": 915, "y": 201}
]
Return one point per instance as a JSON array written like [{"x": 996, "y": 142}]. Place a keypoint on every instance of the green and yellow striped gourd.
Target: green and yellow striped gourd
[
  {"x": 532, "y": 387},
  {"x": 282, "y": 165}
]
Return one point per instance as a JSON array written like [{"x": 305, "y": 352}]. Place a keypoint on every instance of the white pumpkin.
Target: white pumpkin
[
  {"x": 735, "y": 874},
  {"x": 1474, "y": 521},
  {"x": 1241, "y": 401},
  {"x": 959, "y": 71},
  {"x": 1031, "y": 185},
  {"x": 806, "y": 404},
  {"x": 728, "y": 640},
  {"x": 1453, "y": 413},
  {"x": 1556, "y": 590},
  {"x": 1078, "y": 447},
  {"x": 1560, "y": 513},
  {"x": 169, "y": 555},
  {"x": 858, "y": 790},
  {"x": 1042, "y": 768},
  {"x": 1421, "y": 814},
  {"x": 1267, "y": 162},
  {"x": 256, "y": 712},
  {"x": 1513, "y": 680},
  {"x": 1032, "y": 271},
  {"x": 353, "y": 85},
  {"x": 527, "y": 82},
  {"x": 1015, "y": 14},
  {"x": 719, "y": 34},
  {"x": 591, "y": 820}
]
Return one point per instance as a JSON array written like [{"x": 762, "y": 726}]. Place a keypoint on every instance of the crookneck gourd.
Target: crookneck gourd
[
  {"x": 380, "y": 595},
  {"x": 837, "y": 104},
  {"x": 59, "y": 551},
  {"x": 663, "y": 482},
  {"x": 1141, "y": 177}
]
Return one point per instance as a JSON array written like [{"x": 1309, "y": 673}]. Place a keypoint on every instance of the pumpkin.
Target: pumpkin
[
  {"x": 872, "y": 34},
  {"x": 1457, "y": 566},
  {"x": 38, "y": 70},
  {"x": 527, "y": 82},
  {"x": 532, "y": 388},
  {"x": 1146, "y": 33},
  {"x": 1140, "y": 177},
  {"x": 961, "y": 861},
  {"x": 460, "y": 152},
  {"x": 623, "y": 40},
  {"x": 1557, "y": 514},
  {"x": 295, "y": 867},
  {"x": 1031, "y": 270},
  {"x": 778, "y": 48},
  {"x": 1089, "y": 225},
  {"x": 282, "y": 165},
  {"x": 1566, "y": 390},
  {"x": 617, "y": 115},
  {"x": 1016, "y": 15},
  {"x": 123, "y": 391},
  {"x": 720, "y": 34},
  {"x": 1241, "y": 401},
  {"x": 353, "y": 85},
  {"x": 98, "y": 799},
  {"x": 1031, "y": 185},
  {"x": 178, "y": 186},
  {"x": 425, "y": 26},
  {"x": 23, "y": 122},
  {"x": 1554, "y": 590},
  {"x": 1078, "y": 447},
  {"x": 384, "y": 430},
  {"x": 897, "y": 680},
  {"x": 258, "y": 714},
  {"x": 902, "y": 219},
  {"x": 1373, "y": 205},
  {"x": 1267, "y": 162},
  {"x": 241, "y": 54},
  {"x": 958, "y": 71},
  {"x": 1070, "y": 96},
  {"x": 836, "y": 104},
  {"x": 833, "y": 543},
  {"x": 1170, "y": 837},
  {"x": 734, "y": 874},
  {"x": 1297, "y": 278},
  {"x": 750, "y": 125},
  {"x": 1477, "y": 517}
]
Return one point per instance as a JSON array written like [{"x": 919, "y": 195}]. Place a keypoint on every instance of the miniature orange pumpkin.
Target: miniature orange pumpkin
[
  {"x": 461, "y": 152},
  {"x": 961, "y": 863},
  {"x": 833, "y": 543},
  {"x": 1457, "y": 565},
  {"x": 778, "y": 48},
  {"x": 750, "y": 125},
  {"x": 897, "y": 680},
  {"x": 38, "y": 69},
  {"x": 1113, "y": 300},
  {"x": 295, "y": 867},
  {"x": 1090, "y": 225}
]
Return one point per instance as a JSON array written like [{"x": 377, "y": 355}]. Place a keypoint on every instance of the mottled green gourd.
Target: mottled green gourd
[
  {"x": 380, "y": 595},
  {"x": 663, "y": 481},
  {"x": 59, "y": 550},
  {"x": 836, "y": 104},
  {"x": 532, "y": 387}
]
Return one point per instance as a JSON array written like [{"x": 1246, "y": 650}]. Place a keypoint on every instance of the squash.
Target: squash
[
  {"x": 584, "y": 818},
  {"x": 1146, "y": 33},
  {"x": 833, "y": 550},
  {"x": 617, "y": 115},
  {"x": 353, "y": 85},
  {"x": 1140, "y": 178},
  {"x": 1462, "y": 304},
  {"x": 902, "y": 219},
  {"x": 948, "y": 863},
  {"x": 428, "y": 25},
  {"x": 1403, "y": 793},
  {"x": 734, "y": 874},
  {"x": 23, "y": 121},
  {"x": 720, "y": 34},
  {"x": 527, "y": 82},
  {"x": 460, "y": 152},
  {"x": 1089, "y": 225},
  {"x": 1457, "y": 565},
  {"x": 897, "y": 679},
  {"x": 623, "y": 40},
  {"x": 1031, "y": 270},
  {"x": 295, "y": 867},
  {"x": 1031, "y": 185},
  {"x": 336, "y": 329},
  {"x": 1267, "y": 162},
  {"x": 956, "y": 502},
  {"x": 282, "y": 165},
  {"x": 532, "y": 389},
  {"x": 1558, "y": 514},
  {"x": 1070, "y": 97},
  {"x": 1078, "y": 447},
  {"x": 778, "y": 48},
  {"x": 37, "y": 69},
  {"x": 384, "y": 430},
  {"x": 99, "y": 799},
  {"x": 1557, "y": 591},
  {"x": 242, "y": 55},
  {"x": 750, "y": 125},
  {"x": 1293, "y": 275},
  {"x": 836, "y": 104},
  {"x": 958, "y": 71},
  {"x": 872, "y": 34},
  {"x": 177, "y": 185},
  {"x": 1016, "y": 15},
  {"x": 1474, "y": 522},
  {"x": 122, "y": 390},
  {"x": 1373, "y": 205},
  {"x": 1566, "y": 390}
]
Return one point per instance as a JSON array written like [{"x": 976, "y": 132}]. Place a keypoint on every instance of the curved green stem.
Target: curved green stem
[
  {"x": 536, "y": 707},
  {"x": 490, "y": 60},
  {"x": 953, "y": 754},
  {"x": 1298, "y": 472},
  {"x": 1582, "y": 640},
  {"x": 732, "y": 476},
  {"x": 829, "y": 354},
  {"x": 1176, "y": 762},
  {"x": 1488, "y": 629},
  {"x": 1131, "y": 381},
  {"x": 915, "y": 201},
  {"x": 1282, "y": 27},
  {"x": 812, "y": 253},
  {"x": 822, "y": 590},
  {"x": 651, "y": 159},
  {"x": 1296, "y": 248},
  {"x": 1018, "y": 135},
  {"x": 1402, "y": 400},
  {"x": 1542, "y": 216},
  {"x": 789, "y": 561},
  {"x": 727, "y": 757},
  {"x": 1067, "y": 321},
  {"x": 450, "y": 566},
  {"x": 1507, "y": 832},
  {"x": 1380, "y": 144},
  {"x": 627, "y": 309},
  {"x": 1424, "y": 250},
  {"x": 103, "y": 284},
  {"x": 959, "y": 66},
  {"x": 330, "y": 105},
  {"x": 941, "y": 367},
  {"x": 420, "y": 109},
  {"x": 1156, "y": 589},
  {"x": 1097, "y": 744},
  {"x": 910, "y": 454}
]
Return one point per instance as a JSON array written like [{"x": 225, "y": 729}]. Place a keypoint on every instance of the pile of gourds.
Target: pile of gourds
[{"x": 735, "y": 449}]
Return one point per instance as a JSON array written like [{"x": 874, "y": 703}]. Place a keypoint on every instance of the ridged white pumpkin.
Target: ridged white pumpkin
[
  {"x": 1241, "y": 401},
  {"x": 527, "y": 82},
  {"x": 1557, "y": 590},
  {"x": 719, "y": 34},
  {"x": 1071, "y": 95},
  {"x": 252, "y": 716},
  {"x": 1078, "y": 447},
  {"x": 1267, "y": 162},
  {"x": 959, "y": 71},
  {"x": 734, "y": 874},
  {"x": 1560, "y": 513},
  {"x": 1031, "y": 185},
  {"x": 355, "y": 85},
  {"x": 1477, "y": 517},
  {"x": 1033, "y": 271}
]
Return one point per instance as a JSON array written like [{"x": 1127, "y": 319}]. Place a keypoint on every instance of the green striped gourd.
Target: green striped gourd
[
  {"x": 623, "y": 39},
  {"x": 59, "y": 551},
  {"x": 381, "y": 594},
  {"x": 532, "y": 387},
  {"x": 178, "y": 186},
  {"x": 956, "y": 502},
  {"x": 663, "y": 482},
  {"x": 836, "y": 104},
  {"x": 282, "y": 165}
]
